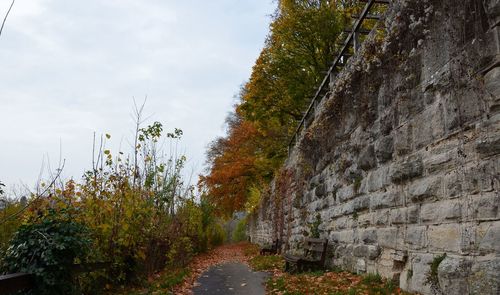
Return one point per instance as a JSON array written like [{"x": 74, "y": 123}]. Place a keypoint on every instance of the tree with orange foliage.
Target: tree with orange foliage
[{"x": 231, "y": 162}]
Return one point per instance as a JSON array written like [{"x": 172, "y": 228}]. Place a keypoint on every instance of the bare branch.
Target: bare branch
[
  {"x": 6, "y": 15},
  {"x": 38, "y": 196}
]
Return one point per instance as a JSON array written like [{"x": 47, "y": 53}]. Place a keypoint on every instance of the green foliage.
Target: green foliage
[
  {"x": 357, "y": 183},
  {"x": 240, "y": 232},
  {"x": 297, "y": 52},
  {"x": 355, "y": 215},
  {"x": 48, "y": 247},
  {"x": 181, "y": 252},
  {"x": 267, "y": 262},
  {"x": 372, "y": 279},
  {"x": 314, "y": 227},
  {"x": 9, "y": 225},
  {"x": 253, "y": 199},
  {"x": 432, "y": 275},
  {"x": 173, "y": 278},
  {"x": 136, "y": 208}
]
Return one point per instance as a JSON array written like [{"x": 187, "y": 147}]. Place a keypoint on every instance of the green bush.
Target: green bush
[
  {"x": 48, "y": 247},
  {"x": 217, "y": 235},
  {"x": 240, "y": 232}
]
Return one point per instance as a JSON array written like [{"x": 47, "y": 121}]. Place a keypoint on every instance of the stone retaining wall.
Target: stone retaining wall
[{"x": 402, "y": 160}]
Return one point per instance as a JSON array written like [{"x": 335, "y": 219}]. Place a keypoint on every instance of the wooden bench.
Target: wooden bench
[
  {"x": 313, "y": 258},
  {"x": 273, "y": 249}
]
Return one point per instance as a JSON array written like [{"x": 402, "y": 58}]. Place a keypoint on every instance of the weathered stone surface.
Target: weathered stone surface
[
  {"x": 453, "y": 273},
  {"x": 320, "y": 190},
  {"x": 489, "y": 146},
  {"x": 416, "y": 237},
  {"x": 389, "y": 237},
  {"x": 430, "y": 126},
  {"x": 485, "y": 277},
  {"x": 440, "y": 211},
  {"x": 414, "y": 279},
  {"x": 406, "y": 170},
  {"x": 366, "y": 251},
  {"x": 369, "y": 236},
  {"x": 402, "y": 140},
  {"x": 399, "y": 216},
  {"x": 377, "y": 179},
  {"x": 381, "y": 217},
  {"x": 491, "y": 82},
  {"x": 486, "y": 207},
  {"x": 384, "y": 149},
  {"x": 425, "y": 189},
  {"x": 367, "y": 159},
  {"x": 453, "y": 185},
  {"x": 360, "y": 266},
  {"x": 488, "y": 237},
  {"x": 384, "y": 200},
  {"x": 413, "y": 214},
  {"x": 438, "y": 162},
  {"x": 445, "y": 237}
]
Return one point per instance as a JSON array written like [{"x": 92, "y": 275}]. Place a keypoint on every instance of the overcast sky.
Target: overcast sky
[{"x": 70, "y": 68}]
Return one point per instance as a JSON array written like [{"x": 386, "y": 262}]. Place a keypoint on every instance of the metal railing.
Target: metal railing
[{"x": 353, "y": 41}]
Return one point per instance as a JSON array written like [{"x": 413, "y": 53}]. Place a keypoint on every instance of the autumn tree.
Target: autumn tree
[
  {"x": 231, "y": 162},
  {"x": 298, "y": 50}
]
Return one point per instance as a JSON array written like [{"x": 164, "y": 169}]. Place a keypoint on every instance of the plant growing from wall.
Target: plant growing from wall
[
  {"x": 314, "y": 227},
  {"x": 432, "y": 276},
  {"x": 357, "y": 183}
]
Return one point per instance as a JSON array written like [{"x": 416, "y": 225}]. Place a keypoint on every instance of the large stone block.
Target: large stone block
[
  {"x": 390, "y": 237},
  {"x": 425, "y": 189},
  {"x": 453, "y": 185},
  {"x": 489, "y": 146},
  {"x": 439, "y": 162},
  {"x": 381, "y": 217},
  {"x": 414, "y": 278},
  {"x": 453, "y": 274},
  {"x": 365, "y": 220},
  {"x": 367, "y": 159},
  {"x": 485, "y": 207},
  {"x": 368, "y": 236},
  {"x": 488, "y": 237},
  {"x": 407, "y": 169},
  {"x": 399, "y": 216},
  {"x": 481, "y": 178},
  {"x": 384, "y": 148},
  {"x": 402, "y": 140},
  {"x": 377, "y": 179},
  {"x": 440, "y": 211},
  {"x": 385, "y": 200},
  {"x": 445, "y": 237},
  {"x": 366, "y": 251},
  {"x": 416, "y": 237},
  {"x": 343, "y": 237},
  {"x": 430, "y": 126},
  {"x": 485, "y": 276}
]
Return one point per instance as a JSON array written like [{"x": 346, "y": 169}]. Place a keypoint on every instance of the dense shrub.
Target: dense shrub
[
  {"x": 240, "y": 232},
  {"x": 48, "y": 247}
]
